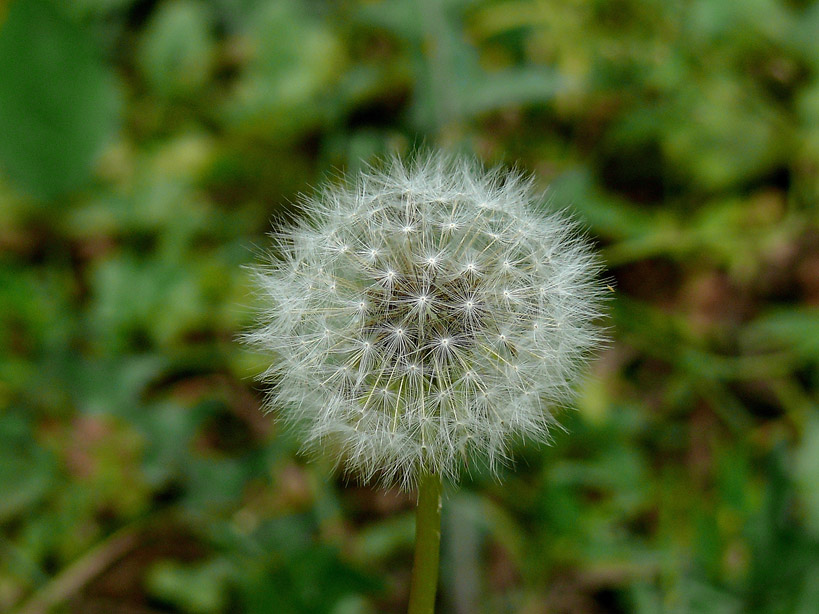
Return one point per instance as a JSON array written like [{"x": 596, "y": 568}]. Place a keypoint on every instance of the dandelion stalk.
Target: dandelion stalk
[{"x": 427, "y": 545}]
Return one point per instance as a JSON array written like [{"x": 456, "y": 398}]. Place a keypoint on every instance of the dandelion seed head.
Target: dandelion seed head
[{"x": 425, "y": 317}]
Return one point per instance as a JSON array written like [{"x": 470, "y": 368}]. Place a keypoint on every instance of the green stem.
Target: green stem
[{"x": 427, "y": 543}]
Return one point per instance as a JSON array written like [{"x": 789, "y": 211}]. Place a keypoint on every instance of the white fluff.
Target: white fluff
[{"x": 424, "y": 317}]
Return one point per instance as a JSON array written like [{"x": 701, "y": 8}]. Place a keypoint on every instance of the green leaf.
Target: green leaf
[
  {"x": 58, "y": 100},
  {"x": 613, "y": 216},
  {"x": 27, "y": 471},
  {"x": 794, "y": 329},
  {"x": 177, "y": 51},
  {"x": 807, "y": 474},
  {"x": 288, "y": 86},
  {"x": 515, "y": 86},
  {"x": 197, "y": 589}
]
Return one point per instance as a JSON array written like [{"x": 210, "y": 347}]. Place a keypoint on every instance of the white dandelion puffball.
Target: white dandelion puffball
[{"x": 424, "y": 317}]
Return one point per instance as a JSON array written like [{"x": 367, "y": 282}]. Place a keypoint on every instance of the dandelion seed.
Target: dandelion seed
[{"x": 423, "y": 318}]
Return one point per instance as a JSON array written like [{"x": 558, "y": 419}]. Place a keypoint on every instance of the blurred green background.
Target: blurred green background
[{"x": 145, "y": 146}]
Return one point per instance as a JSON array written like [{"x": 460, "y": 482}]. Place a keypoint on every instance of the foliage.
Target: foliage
[{"x": 145, "y": 147}]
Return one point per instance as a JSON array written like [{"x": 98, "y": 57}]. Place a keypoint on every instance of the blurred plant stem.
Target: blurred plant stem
[
  {"x": 74, "y": 577},
  {"x": 427, "y": 543}
]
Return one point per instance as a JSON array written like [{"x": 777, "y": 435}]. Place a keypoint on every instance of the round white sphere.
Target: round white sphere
[{"x": 424, "y": 317}]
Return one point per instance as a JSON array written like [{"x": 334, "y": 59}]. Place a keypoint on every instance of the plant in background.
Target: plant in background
[{"x": 423, "y": 318}]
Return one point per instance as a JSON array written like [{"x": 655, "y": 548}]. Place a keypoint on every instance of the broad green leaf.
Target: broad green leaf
[{"x": 58, "y": 100}]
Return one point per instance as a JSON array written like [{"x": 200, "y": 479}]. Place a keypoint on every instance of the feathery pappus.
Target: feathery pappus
[{"x": 424, "y": 316}]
